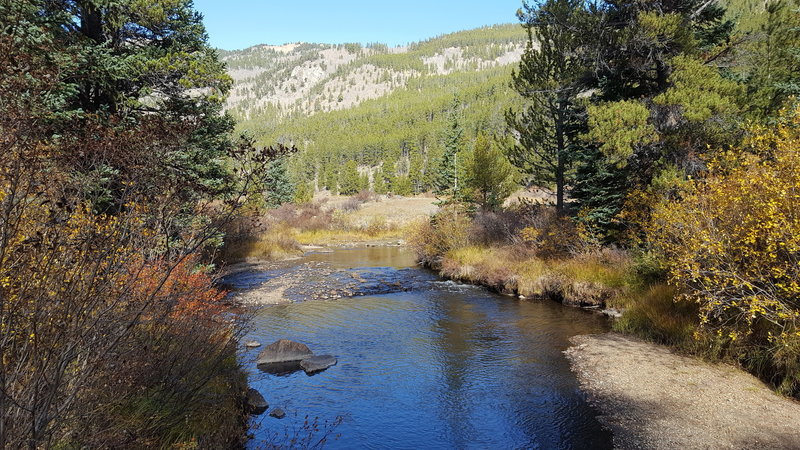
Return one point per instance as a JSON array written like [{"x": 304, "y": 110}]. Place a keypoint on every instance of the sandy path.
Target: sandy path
[{"x": 652, "y": 398}]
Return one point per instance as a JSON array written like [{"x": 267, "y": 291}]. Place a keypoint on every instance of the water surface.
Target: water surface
[{"x": 436, "y": 365}]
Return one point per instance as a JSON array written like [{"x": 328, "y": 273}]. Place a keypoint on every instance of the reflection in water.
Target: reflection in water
[{"x": 444, "y": 366}]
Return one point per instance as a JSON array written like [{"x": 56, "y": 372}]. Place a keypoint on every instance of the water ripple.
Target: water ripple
[{"x": 442, "y": 366}]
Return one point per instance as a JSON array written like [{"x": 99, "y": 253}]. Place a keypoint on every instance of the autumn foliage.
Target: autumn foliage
[
  {"x": 112, "y": 332},
  {"x": 732, "y": 245}
]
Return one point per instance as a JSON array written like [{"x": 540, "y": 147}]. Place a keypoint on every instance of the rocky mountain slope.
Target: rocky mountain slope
[
  {"x": 374, "y": 104},
  {"x": 303, "y": 78}
]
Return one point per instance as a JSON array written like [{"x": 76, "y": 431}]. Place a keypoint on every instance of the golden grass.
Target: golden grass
[
  {"x": 655, "y": 315},
  {"x": 271, "y": 246},
  {"x": 592, "y": 279}
]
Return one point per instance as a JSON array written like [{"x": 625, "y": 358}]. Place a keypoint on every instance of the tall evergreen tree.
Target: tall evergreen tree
[
  {"x": 379, "y": 185},
  {"x": 331, "y": 179},
  {"x": 656, "y": 103},
  {"x": 768, "y": 60},
  {"x": 350, "y": 179},
  {"x": 416, "y": 173},
  {"x": 548, "y": 78},
  {"x": 278, "y": 188},
  {"x": 447, "y": 174},
  {"x": 402, "y": 186},
  {"x": 146, "y": 59}
]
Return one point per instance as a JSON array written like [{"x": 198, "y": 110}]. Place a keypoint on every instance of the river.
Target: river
[{"x": 425, "y": 363}]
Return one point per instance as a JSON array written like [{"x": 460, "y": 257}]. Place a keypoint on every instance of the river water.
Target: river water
[{"x": 428, "y": 364}]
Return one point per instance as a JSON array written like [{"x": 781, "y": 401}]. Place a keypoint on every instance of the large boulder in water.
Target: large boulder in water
[
  {"x": 317, "y": 363},
  {"x": 255, "y": 402},
  {"x": 283, "y": 350}
]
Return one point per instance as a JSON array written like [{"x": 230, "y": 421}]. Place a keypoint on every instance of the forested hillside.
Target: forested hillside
[{"x": 375, "y": 104}]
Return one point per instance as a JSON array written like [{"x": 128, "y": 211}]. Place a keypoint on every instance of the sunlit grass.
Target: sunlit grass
[{"x": 590, "y": 278}]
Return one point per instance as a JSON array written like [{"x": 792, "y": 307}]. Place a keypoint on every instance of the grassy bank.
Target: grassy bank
[
  {"x": 529, "y": 252},
  {"x": 282, "y": 232},
  {"x": 591, "y": 279}
]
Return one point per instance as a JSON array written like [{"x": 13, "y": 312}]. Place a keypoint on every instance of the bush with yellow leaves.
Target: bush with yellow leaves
[{"x": 732, "y": 245}]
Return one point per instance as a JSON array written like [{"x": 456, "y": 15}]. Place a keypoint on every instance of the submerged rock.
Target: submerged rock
[
  {"x": 318, "y": 363},
  {"x": 277, "y": 413},
  {"x": 255, "y": 402},
  {"x": 283, "y": 350}
]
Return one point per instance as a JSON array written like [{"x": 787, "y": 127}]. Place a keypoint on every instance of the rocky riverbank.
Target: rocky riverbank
[
  {"x": 653, "y": 398},
  {"x": 313, "y": 277}
]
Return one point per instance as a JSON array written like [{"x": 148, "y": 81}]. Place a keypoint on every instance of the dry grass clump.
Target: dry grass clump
[
  {"x": 273, "y": 235},
  {"x": 346, "y": 230},
  {"x": 433, "y": 239},
  {"x": 529, "y": 251},
  {"x": 655, "y": 315},
  {"x": 281, "y": 232},
  {"x": 305, "y": 217}
]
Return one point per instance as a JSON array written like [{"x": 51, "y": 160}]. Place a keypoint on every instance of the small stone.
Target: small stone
[{"x": 277, "y": 413}]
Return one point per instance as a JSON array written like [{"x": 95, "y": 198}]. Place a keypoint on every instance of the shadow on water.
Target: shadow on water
[
  {"x": 441, "y": 365},
  {"x": 280, "y": 369}
]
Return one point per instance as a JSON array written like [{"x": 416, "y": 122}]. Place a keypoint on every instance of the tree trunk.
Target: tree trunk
[
  {"x": 560, "y": 157},
  {"x": 560, "y": 184}
]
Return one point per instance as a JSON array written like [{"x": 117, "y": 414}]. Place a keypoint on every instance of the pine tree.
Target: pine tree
[
  {"x": 402, "y": 186},
  {"x": 416, "y": 174},
  {"x": 447, "y": 173},
  {"x": 389, "y": 169},
  {"x": 657, "y": 103},
  {"x": 491, "y": 176},
  {"x": 141, "y": 60},
  {"x": 769, "y": 61},
  {"x": 548, "y": 78},
  {"x": 363, "y": 182},
  {"x": 278, "y": 188},
  {"x": 331, "y": 179},
  {"x": 304, "y": 193},
  {"x": 349, "y": 180},
  {"x": 379, "y": 185}
]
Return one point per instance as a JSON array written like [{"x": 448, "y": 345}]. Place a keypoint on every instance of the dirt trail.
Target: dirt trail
[{"x": 655, "y": 399}]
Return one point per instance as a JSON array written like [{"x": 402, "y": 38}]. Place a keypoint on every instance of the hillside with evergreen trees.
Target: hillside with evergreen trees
[{"x": 387, "y": 109}]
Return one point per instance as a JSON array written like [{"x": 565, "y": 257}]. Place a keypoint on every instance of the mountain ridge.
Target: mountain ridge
[{"x": 307, "y": 78}]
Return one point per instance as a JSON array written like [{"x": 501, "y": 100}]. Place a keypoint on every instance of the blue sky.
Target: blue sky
[{"x": 236, "y": 24}]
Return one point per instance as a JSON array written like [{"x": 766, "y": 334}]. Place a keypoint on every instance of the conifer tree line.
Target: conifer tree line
[
  {"x": 623, "y": 98},
  {"x": 607, "y": 99}
]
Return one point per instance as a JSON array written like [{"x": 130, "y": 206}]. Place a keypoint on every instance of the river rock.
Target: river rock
[
  {"x": 277, "y": 413},
  {"x": 252, "y": 344},
  {"x": 283, "y": 350},
  {"x": 255, "y": 402},
  {"x": 318, "y": 363}
]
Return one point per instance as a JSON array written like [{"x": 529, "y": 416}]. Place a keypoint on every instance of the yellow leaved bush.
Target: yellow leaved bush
[{"x": 732, "y": 242}]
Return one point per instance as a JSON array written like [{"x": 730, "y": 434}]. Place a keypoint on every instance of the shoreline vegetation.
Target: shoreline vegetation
[
  {"x": 667, "y": 132},
  {"x": 532, "y": 253}
]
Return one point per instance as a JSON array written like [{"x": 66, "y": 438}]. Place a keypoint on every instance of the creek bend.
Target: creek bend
[{"x": 423, "y": 363}]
